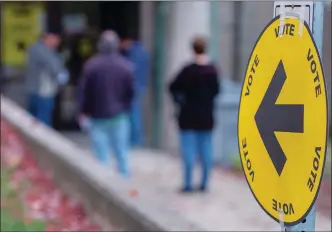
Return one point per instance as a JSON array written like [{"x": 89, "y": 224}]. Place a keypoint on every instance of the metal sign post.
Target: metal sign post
[{"x": 313, "y": 13}]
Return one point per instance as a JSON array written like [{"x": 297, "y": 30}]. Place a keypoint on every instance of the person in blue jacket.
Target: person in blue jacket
[{"x": 134, "y": 51}]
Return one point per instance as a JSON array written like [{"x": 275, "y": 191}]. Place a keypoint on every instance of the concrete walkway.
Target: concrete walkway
[{"x": 229, "y": 205}]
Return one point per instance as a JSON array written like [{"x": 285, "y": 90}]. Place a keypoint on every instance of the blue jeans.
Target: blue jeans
[
  {"x": 136, "y": 127},
  {"x": 41, "y": 108},
  {"x": 111, "y": 134},
  {"x": 196, "y": 143}
]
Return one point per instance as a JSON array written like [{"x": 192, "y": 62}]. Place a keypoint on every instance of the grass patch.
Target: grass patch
[{"x": 12, "y": 209}]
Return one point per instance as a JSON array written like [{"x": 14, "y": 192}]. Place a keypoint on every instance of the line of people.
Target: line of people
[
  {"x": 110, "y": 95},
  {"x": 46, "y": 73}
]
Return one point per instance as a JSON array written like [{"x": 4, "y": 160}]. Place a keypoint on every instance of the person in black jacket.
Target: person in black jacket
[{"x": 193, "y": 91}]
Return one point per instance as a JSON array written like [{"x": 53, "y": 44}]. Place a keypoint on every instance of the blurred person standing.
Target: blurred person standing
[
  {"x": 193, "y": 91},
  {"x": 105, "y": 93},
  {"x": 45, "y": 72},
  {"x": 134, "y": 51}
]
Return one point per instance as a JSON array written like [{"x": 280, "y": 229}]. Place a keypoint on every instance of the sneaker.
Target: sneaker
[
  {"x": 186, "y": 190},
  {"x": 202, "y": 189}
]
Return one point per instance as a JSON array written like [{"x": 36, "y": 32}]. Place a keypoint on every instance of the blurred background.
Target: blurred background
[{"x": 165, "y": 28}]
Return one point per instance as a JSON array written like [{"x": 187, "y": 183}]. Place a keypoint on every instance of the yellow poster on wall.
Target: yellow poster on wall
[
  {"x": 85, "y": 47},
  {"x": 21, "y": 25}
]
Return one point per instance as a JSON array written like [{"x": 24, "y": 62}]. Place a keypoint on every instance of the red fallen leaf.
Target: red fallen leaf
[
  {"x": 27, "y": 220},
  {"x": 133, "y": 193},
  {"x": 31, "y": 197},
  {"x": 13, "y": 160},
  {"x": 17, "y": 176},
  {"x": 17, "y": 214},
  {"x": 72, "y": 217},
  {"x": 252, "y": 220}
]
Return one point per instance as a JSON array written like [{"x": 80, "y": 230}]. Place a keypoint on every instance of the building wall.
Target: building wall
[
  {"x": 147, "y": 24},
  {"x": 255, "y": 17},
  {"x": 227, "y": 21}
]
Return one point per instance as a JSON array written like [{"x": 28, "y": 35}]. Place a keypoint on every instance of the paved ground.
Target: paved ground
[{"x": 228, "y": 206}]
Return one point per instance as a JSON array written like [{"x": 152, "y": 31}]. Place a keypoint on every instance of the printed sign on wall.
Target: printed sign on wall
[{"x": 21, "y": 26}]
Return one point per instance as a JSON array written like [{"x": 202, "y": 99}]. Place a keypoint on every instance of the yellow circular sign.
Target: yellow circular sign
[{"x": 282, "y": 124}]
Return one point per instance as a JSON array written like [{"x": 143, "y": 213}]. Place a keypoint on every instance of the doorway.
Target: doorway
[{"x": 122, "y": 17}]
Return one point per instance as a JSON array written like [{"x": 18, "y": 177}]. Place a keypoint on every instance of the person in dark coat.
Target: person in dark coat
[
  {"x": 193, "y": 91},
  {"x": 105, "y": 95}
]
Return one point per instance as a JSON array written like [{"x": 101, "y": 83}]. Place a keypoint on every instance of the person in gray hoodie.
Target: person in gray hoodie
[
  {"x": 105, "y": 94},
  {"x": 44, "y": 72}
]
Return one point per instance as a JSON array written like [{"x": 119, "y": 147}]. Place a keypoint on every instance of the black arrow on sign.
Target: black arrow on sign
[{"x": 271, "y": 117}]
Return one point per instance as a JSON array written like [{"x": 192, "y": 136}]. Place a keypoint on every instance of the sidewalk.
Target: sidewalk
[{"x": 228, "y": 206}]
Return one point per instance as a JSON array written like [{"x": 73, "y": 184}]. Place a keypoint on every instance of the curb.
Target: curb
[{"x": 104, "y": 195}]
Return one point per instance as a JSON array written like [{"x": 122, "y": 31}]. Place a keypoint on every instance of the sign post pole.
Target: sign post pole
[
  {"x": 308, "y": 224},
  {"x": 318, "y": 25}
]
